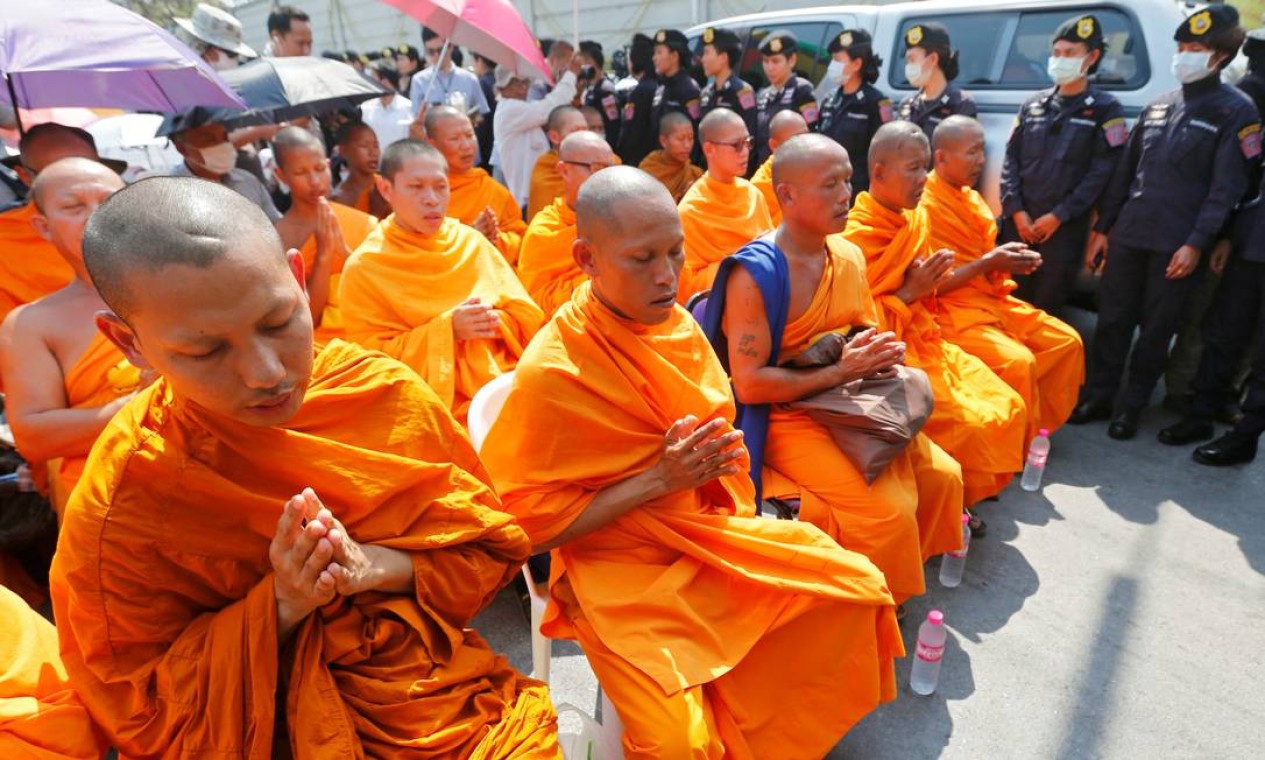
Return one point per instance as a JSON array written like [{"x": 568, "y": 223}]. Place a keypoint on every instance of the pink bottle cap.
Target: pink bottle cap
[
  {"x": 1043, "y": 431},
  {"x": 935, "y": 617},
  {"x": 966, "y": 519}
]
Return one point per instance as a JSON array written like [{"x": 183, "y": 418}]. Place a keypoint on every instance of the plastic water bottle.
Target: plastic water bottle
[
  {"x": 925, "y": 673},
  {"x": 1038, "y": 452},
  {"x": 953, "y": 563}
]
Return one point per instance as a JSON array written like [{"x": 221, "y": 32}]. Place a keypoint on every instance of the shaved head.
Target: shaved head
[
  {"x": 802, "y": 156},
  {"x": 718, "y": 124},
  {"x": 726, "y": 145},
  {"x": 292, "y": 138},
  {"x": 674, "y": 120},
  {"x": 618, "y": 195},
  {"x": 784, "y": 125},
  {"x": 893, "y": 138},
  {"x": 563, "y": 121},
  {"x": 398, "y": 152},
  {"x": 67, "y": 171},
  {"x": 437, "y": 115},
  {"x": 899, "y": 154},
  {"x": 165, "y": 221},
  {"x": 812, "y": 176},
  {"x": 954, "y": 130},
  {"x": 581, "y": 155},
  {"x": 958, "y": 150}
]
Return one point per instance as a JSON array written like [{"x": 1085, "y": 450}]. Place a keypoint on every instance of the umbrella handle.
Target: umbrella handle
[
  {"x": 13, "y": 98},
  {"x": 438, "y": 67}
]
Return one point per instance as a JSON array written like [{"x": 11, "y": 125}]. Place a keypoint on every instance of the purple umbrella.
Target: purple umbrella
[{"x": 94, "y": 53}]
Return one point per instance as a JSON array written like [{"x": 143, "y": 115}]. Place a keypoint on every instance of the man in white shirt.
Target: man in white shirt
[
  {"x": 453, "y": 85},
  {"x": 389, "y": 116},
  {"x": 518, "y": 127}
]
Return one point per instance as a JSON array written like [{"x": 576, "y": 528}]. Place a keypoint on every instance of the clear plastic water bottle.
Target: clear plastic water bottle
[
  {"x": 925, "y": 673},
  {"x": 952, "y": 564},
  {"x": 1034, "y": 468}
]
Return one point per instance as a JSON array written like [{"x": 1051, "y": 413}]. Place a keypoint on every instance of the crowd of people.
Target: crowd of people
[{"x": 242, "y": 392}]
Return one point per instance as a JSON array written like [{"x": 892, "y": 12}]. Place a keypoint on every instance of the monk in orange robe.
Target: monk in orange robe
[
  {"x": 277, "y": 547},
  {"x": 323, "y": 233},
  {"x": 63, "y": 379},
  {"x": 913, "y": 509},
  {"x": 978, "y": 419},
  {"x": 41, "y": 716},
  {"x": 546, "y": 181},
  {"x": 545, "y": 265},
  {"x": 474, "y": 197},
  {"x": 358, "y": 145},
  {"x": 432, "y": 292},
  {"x": 1041, "y": 357},
  {"x": 783, "y": 126},
  {"x": 670, "y": 164},
  {"x": 722, "y": 212},
  {"x": 707, "y": 625}
]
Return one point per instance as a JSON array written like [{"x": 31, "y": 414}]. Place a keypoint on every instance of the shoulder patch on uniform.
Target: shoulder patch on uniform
[
  {"x": 610, "y": 107},
  {"x": 629, "y": 111},
  {"x": 693, "y": 108},
  {"x": 1250, "y": 140},
  {"x": 746, "y": 97},
  {"x": 1116, "y": 132},
  {"x": 809, "y": 110},
  {"x": 885, "y": 113}
]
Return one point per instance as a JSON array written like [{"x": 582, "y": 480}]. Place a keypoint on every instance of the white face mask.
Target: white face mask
[
  {"x": 1192, "y": 66},
  {"x": 916, "y": 74},
  {"x": 218, "y": 159},
  {"x": 222, "y": 62},
  {"x": 834, "y": 73},
  {"x": 1064, "y": 70}
]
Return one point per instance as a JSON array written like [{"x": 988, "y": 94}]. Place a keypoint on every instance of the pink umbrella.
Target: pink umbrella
[{"x": 491, "y": 28}]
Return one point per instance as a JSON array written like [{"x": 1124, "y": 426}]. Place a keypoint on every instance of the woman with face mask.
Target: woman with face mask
[
  {"x": 931, "y": 65},
  {"x": 1064, "y": 147},
  {"x": 1188, "y": 162},
  {"x": 854, "y": 109}
]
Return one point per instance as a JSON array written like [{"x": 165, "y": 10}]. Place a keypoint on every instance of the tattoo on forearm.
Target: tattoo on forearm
[{"x": 746, "y": 346}]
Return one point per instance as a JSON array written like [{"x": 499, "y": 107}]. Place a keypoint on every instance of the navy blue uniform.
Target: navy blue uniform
[
  {"x": 851, "y": 121},
  {"x": 796, "y": 94},
  {"x": 601, "y": 95},
  {"x": 636, "y": 126},
  {"x": 678, "y": 92},
  {"x": 928, "y": 114},
  {"x": 736, "y": 95},
  {"x": 1188, "y": 163},
  {"x": 1059, "y": 159}
]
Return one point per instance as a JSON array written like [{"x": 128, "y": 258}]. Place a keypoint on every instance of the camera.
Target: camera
[{"x": 588, "y": 72}]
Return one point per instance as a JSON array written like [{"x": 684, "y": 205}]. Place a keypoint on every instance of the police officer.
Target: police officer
[
  {"x": 1066, "y": 142},
  {"x": 931, "y": 65},
  {"x": 637, "y": 123},
  {"x": 1187, "y": 164},
  {"x": 721, "y": 52},
  {"x": 677, "y": 89},
  {"x": 854, "y": 111},
  {"x": 1253, "y": 83},
  {"x": 599, "y": 90},
  {"x": 779, "y": 52}
]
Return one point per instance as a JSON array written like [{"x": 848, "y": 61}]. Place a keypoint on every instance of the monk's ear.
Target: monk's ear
[
  {"x": 384, "y": 188},
  {"x": 40, "y": 223},
  {"x": 295, "y": 260},
  {"x": 583, "y": 253},
  {"x": 663, "y": 141},
  {"x": 785, "y": 194},
  {"x": 121, "y": 335}
]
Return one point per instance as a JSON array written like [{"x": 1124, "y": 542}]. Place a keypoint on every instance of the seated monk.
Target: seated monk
[
  {"x": 722, "y": 212},
  {"x": 783, "y": 126},
  {"x": 432, "y": 292},
  {"x": 358, "y": 145},
  {"x": 715, "y": 632},
  {"x": 546, "y": 182},
  {"x": 1039, "y": 356},
  {"x": 546, "y": 266},
  {"x": 277, "y": 547},
  {"x": 978, "y": 419},
  {"x": 670, "y": 164},
  {"x": 63, "y": 379},
  {"x": 474, "y": 197},
  {"x": 41, "y": 716},
  {"x": 323, "y": 233},
  {"x": 913, "y": 510}
]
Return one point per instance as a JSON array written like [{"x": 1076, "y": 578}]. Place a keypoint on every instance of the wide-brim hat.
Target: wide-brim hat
[
  {"x": 218, "y": 28},
  {"x": 113, "y": 164}
]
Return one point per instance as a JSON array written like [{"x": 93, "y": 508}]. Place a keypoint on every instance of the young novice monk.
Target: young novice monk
[
  {"x": 277, "y": 548},
  {"x": 671, "y": 163},
  {"x": 431, "y": 291},
  {"x": 546, "y": 182},
  {"x": 716, "y": 633},
  {"x": 324, "y": 233},
  {"x": 358, "y": 144}
]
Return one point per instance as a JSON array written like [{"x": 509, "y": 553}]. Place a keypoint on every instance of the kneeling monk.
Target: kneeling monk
[
  {"x": 716, "y": 633},
  {"x": 275, "y": 550},
  {"x": 1039, "y": 356},
  {"x": 432, "y": 292},
  {"x": 978, "y": 419},
  {"x": 913, "y": 509}
]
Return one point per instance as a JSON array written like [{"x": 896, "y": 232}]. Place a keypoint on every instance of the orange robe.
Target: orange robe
[
  {"x": 41, "y": 716},
  {"x": 707, "y": 625},
  {"x": 1041, "y": 357},
  {"x": 355, "y": 225},
  {"x": 165, "y": 601},
  {"x": 30, "y": 267},
  {"x": 474, "y": 191},
  {"x": 546, "y": 183},
  {"x": 886, "y": 520},
  {"x": 717, "y": 220},
  {"x": 763, "y": 180},
  {"x": 676, "y": 177},
  {"x": 545, "y": 264},
  {"x": 978, "y": 419},
  {"x": 399, "y": 290}
]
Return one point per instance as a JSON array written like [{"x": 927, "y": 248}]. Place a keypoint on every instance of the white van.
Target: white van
[{"x": 1003, "y": 48}]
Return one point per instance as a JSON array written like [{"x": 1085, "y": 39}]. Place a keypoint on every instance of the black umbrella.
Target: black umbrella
[{"x": 283, "y": 89}]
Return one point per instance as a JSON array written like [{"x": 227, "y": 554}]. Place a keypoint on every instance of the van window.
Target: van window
[{"x": 812, "y": 60}]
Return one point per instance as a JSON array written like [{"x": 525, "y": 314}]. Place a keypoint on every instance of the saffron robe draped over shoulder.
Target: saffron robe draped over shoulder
[
  {"x": 355, "y": 225},
  {"x": 763, "y": 180},
  {"x": 978, "y": 419},
  {"x": 30, "y": 267},
  {"x": 545, "y": 264},
  {"x": 546, "y": 184},
  {"x": 473, "y": 191},
  {"x": 1041, "y": 357},
  {"x": 717, "y": 219},
  {"x": 164, "y": 594},
  {"x": 687, "y": 598},
  {"x": 399, "y": 290},
  {"x": 676, "y": 177},
  {"x": 41, "y": 715}
]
